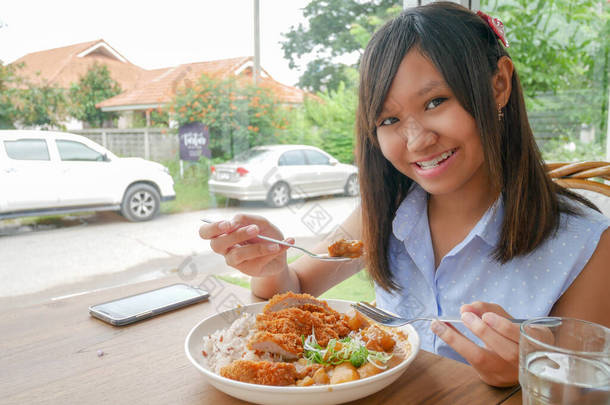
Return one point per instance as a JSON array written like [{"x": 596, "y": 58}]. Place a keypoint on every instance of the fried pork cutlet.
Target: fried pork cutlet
[
  {"x": 288, "y": 317},
  {"x": 324, "y": 325},
  {"x": 292, "y": 300},
  {"x": 346, "y": 248},
  {"x": 260, "y": 372},
  {"x": 288, "y": 345}
]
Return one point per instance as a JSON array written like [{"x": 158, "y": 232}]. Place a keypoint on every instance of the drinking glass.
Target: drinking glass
[{"x": 564, "y": 361}]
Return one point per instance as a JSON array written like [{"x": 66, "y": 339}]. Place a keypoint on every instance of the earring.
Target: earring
[{"x": 500, "y": 113}]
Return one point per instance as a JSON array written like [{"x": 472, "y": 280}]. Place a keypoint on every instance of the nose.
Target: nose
[{"x": 417, "y": 138}]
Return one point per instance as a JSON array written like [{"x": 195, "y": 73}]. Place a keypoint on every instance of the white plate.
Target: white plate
[{"x": 265, "y": 394}]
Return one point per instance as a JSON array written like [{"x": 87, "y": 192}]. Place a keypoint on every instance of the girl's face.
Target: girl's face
[{"x": 426, "y": 134}]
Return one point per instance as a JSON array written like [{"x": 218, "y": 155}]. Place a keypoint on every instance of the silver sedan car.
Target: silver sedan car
[{"x": 278, "y": 173}]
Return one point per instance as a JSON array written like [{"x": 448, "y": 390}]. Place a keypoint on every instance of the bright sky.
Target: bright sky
[{"x": 154, "y": 34}]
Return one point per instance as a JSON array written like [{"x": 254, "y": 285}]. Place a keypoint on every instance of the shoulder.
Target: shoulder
[
  {"x": 577, "y": 234},
  {"x": 585, "y": 221},
  {"x": 568, "y": 250},
  {"x": 581, "y": 232}
]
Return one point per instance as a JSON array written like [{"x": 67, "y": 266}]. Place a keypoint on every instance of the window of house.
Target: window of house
[{"x": 27, "y": 149}]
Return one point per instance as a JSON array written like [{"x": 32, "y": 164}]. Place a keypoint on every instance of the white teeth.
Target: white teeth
[{"x": 429, "y": 164}]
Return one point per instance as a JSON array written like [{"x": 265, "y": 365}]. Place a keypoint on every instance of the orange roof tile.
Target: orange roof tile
[
  {"x": 162, "y": 88},
  {"x": 63, "y": 66},
  {"x": 286, "y": 94}
]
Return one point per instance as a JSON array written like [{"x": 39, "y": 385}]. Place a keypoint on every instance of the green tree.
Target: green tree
[
  {"x": 332, "y": 116},
  {"x": 9, "y": 80},
  {"x": 27, "y": 104},
  {"x": 95, "y": 86},
  {"x": 335, "y": 29},
  {"x": 300, "y": 129},
  {"x": 239, "y": 115},
  {"x": 551, "y": 41},
  {"x": 39, "y": 105},
  {"x": 561, "y": 51}
]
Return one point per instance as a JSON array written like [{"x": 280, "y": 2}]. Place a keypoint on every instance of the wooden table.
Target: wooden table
[{"x": 56, "y": 353}]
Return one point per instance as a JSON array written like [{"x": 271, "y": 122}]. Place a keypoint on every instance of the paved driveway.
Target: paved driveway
[{"x": 105, "y": 250}]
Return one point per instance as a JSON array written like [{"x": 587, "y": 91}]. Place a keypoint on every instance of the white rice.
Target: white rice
[{"x": 227, "y": 345}]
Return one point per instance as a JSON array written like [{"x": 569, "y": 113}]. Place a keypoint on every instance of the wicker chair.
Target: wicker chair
[{"x": 579, "y": 175}]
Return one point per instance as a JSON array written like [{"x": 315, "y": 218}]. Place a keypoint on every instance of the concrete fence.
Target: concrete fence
[{"x": 149, "y": 143}]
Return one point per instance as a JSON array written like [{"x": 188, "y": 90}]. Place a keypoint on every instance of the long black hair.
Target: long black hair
[{"x": 465, "y": 50}]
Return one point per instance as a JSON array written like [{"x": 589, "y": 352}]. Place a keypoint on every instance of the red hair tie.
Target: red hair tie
[{"x": 496, "y": 25}]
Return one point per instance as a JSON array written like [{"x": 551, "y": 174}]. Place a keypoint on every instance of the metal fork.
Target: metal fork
[
  {"x": 322, "y": 256},
  {"x": 387, "y": 319}
]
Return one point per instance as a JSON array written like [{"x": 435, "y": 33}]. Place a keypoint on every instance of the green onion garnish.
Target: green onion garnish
[{"x": 351, "y": 350}]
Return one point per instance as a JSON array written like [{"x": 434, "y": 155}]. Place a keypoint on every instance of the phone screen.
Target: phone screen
[{"x": 151, "y": 302}]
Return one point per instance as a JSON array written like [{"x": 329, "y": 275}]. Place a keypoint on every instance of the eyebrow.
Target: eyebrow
[{"x": 431, "y": 85}]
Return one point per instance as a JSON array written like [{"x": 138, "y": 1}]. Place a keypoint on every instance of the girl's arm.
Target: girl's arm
[
  {"x": 588, "y": 297},
  {"x": 313, "y": 276}
]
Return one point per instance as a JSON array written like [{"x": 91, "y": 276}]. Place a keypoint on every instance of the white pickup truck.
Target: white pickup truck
[{"x": 46, "y": 173}]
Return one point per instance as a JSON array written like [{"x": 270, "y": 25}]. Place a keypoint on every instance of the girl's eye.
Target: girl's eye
[
  {"x": 435, "y": 103},
  {"x": 388, "y": 121}
]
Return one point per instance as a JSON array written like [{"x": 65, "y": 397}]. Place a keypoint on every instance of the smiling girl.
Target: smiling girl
[{"x": 458, "y": 215}]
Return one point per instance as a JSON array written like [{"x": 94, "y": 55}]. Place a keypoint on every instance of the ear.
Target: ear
[{"x": 501, "y": 82}]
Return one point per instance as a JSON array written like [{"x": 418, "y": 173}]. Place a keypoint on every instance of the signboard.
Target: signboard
[{"x": 194, "y": 141}]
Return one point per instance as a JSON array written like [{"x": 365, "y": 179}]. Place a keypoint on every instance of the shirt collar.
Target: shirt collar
[
  {"x": 415, "y": 205},
  {"x": 489, "y": 226},
  {"x": 409, "y": 212}
]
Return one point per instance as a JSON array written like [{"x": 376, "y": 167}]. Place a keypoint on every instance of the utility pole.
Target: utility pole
[
  {"x": 471, "y": 4},
  {"x": 608, "y": 131},
  {"x": 257, "y": 46}
]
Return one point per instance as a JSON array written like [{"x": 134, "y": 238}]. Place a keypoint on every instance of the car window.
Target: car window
[
  {"x": 316, "y": 158},
  {"x": 72, "y": 150},
  {"x": 251, "y": 156},
  {"x": 292, "y": 158},
  {"x": 27, "y": 149}
]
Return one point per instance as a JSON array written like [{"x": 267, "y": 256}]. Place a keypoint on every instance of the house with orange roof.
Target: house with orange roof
[
  {"x": 159, "y": 91},
  {"x": 143, "y": 89},
  {"x": 65, "y": 65}
]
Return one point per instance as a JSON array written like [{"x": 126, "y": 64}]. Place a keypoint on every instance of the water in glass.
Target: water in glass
[{"x": 549, "y": 378}]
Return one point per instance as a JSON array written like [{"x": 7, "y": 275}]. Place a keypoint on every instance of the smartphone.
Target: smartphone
[{"x": 126, "y": 310}]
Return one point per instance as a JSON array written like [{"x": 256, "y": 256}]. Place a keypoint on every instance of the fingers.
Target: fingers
[
  {"x": 502, "y": 325},
  {"x": 222, "y": 244},
  {"x": 252, "y": 259},
  {"x": 224, "y": 235},
  {"x": 249, "y": 252},
  {"x": 209, "y": 231},
  {"x": 469, "y": 350},
  {"x": 216, "y": 229},
  {"x": 237, "y": 241},
  {"x": 479, "y": 308},
  {"x": 491, "y": 367},
  {"x": 488, "y": 322},
  {"x": 244, "y": 219},
  {"x": 505, "y": 346}
]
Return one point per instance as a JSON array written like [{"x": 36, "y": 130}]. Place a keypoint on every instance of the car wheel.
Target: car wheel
[
  {"x": 141, "y": 203},
  {"x": 352, "y": 188},
  {"x": 279, "y": 195}
]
